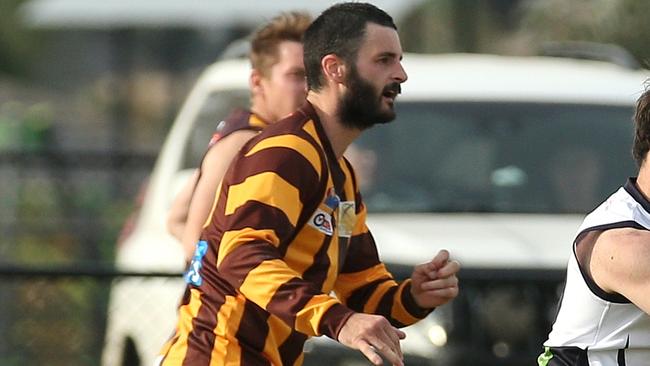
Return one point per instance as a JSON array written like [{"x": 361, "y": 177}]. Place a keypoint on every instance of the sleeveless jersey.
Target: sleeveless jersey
[
  {"x": 238, "y": 119},
  {"x": 594, "y": 327}
]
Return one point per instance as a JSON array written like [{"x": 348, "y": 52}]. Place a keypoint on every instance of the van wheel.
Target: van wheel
[{"x": 130, "y": 356}]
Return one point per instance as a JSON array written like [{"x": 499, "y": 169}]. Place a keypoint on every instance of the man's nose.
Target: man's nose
[{"x": 400, "y": 75}]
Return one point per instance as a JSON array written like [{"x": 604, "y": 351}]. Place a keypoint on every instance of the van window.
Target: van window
[
  {"x": 496, "y": 157},
  {"x": 216, "y": 107}
]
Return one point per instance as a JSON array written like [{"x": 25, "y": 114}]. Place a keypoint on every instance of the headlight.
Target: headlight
[{"x": 437, "y": 335}]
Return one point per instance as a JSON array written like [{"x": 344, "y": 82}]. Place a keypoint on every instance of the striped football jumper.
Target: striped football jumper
[
  {"x": 593, "y": 327},
  {"x": 287, "y": 229}
]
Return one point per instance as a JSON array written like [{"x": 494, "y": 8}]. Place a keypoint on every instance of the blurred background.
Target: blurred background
[{"x": 88, "y": 92}]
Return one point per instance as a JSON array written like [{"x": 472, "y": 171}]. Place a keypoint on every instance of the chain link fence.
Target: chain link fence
[
  {"x": 66, "y": 205},
  {"x": 58, "y": 316},
  {"x": 60, "y": 208}
]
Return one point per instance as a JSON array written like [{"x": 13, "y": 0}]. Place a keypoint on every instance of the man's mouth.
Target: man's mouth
[{"x": 391, "y": 91}]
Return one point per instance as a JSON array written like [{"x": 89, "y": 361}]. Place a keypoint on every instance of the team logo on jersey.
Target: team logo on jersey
[
  {"x": 192, "y": 276},
  {"x": 332, "y": 199},
  {"x": 322, "y": 221}
]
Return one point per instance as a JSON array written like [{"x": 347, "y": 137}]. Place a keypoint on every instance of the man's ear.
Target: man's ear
[
  {"x": 255, "y": 81},
  {"x": 333, "y": 68}
]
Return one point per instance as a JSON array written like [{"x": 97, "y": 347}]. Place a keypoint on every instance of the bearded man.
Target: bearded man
[{"x": 288, "y": 228}]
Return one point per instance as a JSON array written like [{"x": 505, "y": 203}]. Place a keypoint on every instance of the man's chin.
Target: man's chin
[
  {"x": 386, "y": 116},
  {"x": 386, "y": 120},
  {"x": 382, "y": 119}
]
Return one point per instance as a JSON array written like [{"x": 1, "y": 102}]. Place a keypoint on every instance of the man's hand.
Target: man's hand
[
  {"x": 372, "y": 334},
  {"x": 435, "y": 283}
]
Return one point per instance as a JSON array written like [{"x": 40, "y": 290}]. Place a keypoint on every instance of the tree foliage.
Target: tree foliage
[
  {"x": 18, "y": 45},
  {"x": 522, "y": 27}
]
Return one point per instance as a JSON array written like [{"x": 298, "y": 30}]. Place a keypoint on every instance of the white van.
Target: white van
[{"x": 494, "y": 158}]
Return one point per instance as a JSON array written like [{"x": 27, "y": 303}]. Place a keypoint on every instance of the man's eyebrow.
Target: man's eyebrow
[
  {"x": 297, "y": 69},
  {"x": 390, "y": 54}
]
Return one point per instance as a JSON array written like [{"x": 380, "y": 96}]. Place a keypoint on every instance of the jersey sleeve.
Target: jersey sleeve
[
  {"x": 264, "y": 199},
  {"x": 365, "y": 285}
]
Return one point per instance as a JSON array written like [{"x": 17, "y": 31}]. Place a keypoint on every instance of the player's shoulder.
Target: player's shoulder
[
  {"x": 632, "y": 243},
  {"x": 286, "y": 151},
  {"x": 296, "y": 131},
  {"x": 625, "y": 235},
  {"x": 232, "y": 142},
  {"x": 621, "y": 260}
]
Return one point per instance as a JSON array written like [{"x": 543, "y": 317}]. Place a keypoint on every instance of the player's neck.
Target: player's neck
[
  {"x": 643, "y": 181},
  {"x": 261, "y": 112},
  {"x": 339, "y": 135}
]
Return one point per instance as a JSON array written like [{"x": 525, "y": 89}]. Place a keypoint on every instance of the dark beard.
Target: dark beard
[{"x": 361, "y": 107}]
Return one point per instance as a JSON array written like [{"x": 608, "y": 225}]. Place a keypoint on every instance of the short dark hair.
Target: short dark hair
[
  {"x": 265, "y": 41},
  {"x": 338, "y": 30},
  {"x": 642, "y": 127}
]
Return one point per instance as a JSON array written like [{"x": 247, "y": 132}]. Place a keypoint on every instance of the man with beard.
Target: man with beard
[{"x": 288, "y": 227}]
